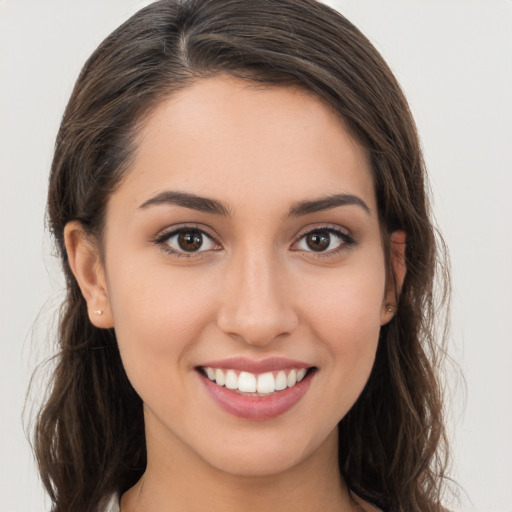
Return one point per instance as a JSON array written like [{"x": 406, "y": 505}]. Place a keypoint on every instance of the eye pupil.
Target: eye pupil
[
  {"x": 318, "y": 241},
  {"x": 190, "y": 241}
]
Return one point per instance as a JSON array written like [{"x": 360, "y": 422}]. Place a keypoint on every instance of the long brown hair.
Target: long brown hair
[{"x": 89, "y": 437}]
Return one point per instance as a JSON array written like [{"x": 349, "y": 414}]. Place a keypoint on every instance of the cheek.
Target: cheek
[
  {"x": 350, "y": 300},
  {"x": 345, "y": 315},
  {"x": 158, "y": 315},
  {"x": 349, "y": 336}
]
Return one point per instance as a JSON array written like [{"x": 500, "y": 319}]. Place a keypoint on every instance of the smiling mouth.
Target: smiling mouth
[{"x": 253, "y": 384}]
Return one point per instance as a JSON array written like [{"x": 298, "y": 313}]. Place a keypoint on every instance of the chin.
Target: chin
[
  {"x": 264, "y": 456},
  {"x": 252, "y": 464}
]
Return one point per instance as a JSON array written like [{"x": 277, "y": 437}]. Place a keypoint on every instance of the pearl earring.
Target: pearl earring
[{"x": 98, "y": 312}]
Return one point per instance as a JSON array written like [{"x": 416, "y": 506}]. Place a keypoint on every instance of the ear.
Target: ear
[
  {"x": 394, "y": 286},
  {"x": 85, "y": 263}
]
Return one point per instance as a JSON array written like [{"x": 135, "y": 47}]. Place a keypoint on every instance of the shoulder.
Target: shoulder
[{"x": 365, "y": 505}]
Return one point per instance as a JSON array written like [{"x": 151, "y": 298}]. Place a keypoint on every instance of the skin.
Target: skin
[{"x": 256, "y": 290}]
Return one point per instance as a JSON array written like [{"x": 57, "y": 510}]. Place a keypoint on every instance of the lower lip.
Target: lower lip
[{"x": 257, "y": 407}]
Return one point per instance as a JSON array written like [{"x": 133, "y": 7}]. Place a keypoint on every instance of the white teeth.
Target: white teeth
[
  {"x": 219, "y": 377},
  {"x": 231, "y": 379},
  {"x": 281, "y": 381},
  {"x": 246, "y": 382},
  {"x": 264, "y": 383}
]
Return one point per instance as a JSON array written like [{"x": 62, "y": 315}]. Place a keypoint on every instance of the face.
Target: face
[{"x": 244, "y": 275}]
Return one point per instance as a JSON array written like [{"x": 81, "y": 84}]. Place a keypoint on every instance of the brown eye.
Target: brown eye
[
  {"x": 324, "y": 240},
  {"x": 318, "y": 241},
  {"x": 190, "y": 241},
  {"x": 187, "y": 240}
]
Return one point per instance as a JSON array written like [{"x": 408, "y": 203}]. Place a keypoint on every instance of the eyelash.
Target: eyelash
[
  {"x": 346, "y": 241},
  {"x": 163, "y": 239}
]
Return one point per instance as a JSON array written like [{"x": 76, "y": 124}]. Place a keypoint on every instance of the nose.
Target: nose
[{"x": 256, "y": 307}]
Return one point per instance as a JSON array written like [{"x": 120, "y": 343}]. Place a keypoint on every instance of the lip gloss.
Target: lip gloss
[{"x": 257, "y": 408}]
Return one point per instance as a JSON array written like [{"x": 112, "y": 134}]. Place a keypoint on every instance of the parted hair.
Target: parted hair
[{"x": 89, "y": 434}]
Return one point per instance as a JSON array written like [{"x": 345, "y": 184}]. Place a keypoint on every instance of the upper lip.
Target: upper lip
[{"x": 256, "y": 366}]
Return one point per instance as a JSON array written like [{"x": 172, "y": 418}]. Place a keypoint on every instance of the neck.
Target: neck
[{"x": 177, "y": 478}]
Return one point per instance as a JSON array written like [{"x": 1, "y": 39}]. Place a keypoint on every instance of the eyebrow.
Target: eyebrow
[
  {"x": 207, "y": 205},
  {"x": 326, "y": 203},
  {"x": 202, "y": 204}
]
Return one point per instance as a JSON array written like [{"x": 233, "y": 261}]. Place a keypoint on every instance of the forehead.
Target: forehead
[{"x": 241, "y": 142}]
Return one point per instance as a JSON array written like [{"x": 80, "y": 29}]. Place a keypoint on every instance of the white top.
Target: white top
[{"x": 111, "y": 505}]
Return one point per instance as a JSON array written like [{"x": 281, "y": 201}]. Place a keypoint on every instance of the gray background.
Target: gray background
[{"x": 454, "y": 60}]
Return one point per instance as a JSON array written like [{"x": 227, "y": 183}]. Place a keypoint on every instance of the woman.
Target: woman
[{"x": 238, "y": 196}]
